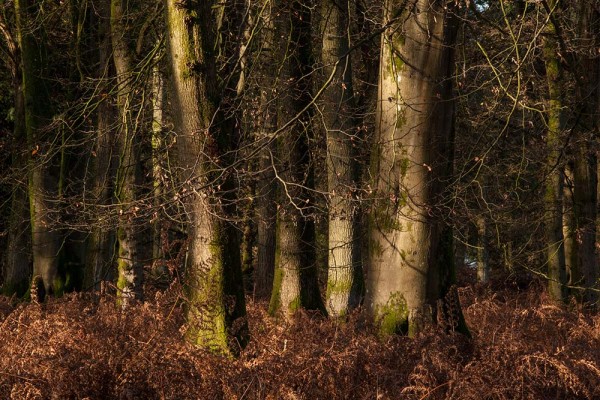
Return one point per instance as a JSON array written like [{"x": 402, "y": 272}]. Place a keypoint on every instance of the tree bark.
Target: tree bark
[
  {"x": 483, "y": 269},
  {"x": 99, "y": 244},
  {"x": 129, "y": 266},
  {"x": 553, "y": 197},
  {"x": 344, "y": 277},
  {"x": 44, "y": 167},
  {"x": 266, "y": 188},
  {"x": 586, "y": 271},
  {"x": 215, "y": 308},
  {"x": 413, "y": 129},
  {"x": 295, "y": 283}
]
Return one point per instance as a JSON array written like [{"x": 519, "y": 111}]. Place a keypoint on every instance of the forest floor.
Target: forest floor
[{"x": 80, "y": 346}]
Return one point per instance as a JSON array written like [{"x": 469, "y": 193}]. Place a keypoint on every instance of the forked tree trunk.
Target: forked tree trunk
[
  {"x": 344, "y": 272},
  {"x": 215, "y": 308},
  {"x": 413, "y": 129}
]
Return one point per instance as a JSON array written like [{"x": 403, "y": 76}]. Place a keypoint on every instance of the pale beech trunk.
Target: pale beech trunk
[
  {"x": 130, "y": 269},
  {"x": 295, "y": 284},
  {"x": 215, "y": 303},
  {"x": 44, "y": 168},
  {"x": 413, "y": 127},
  {"x": 553, "y": 197},
  {"x": 336, "y": 109}
]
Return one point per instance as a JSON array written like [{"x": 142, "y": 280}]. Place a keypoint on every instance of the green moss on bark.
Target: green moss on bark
[{"x": 392, "y": 317}]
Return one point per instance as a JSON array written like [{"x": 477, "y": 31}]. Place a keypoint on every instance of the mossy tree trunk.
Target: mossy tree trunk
[
  {"x": 295, "y": 284},
  {"x": 130, "y": 269},
  {"x": 553, "y": 197},
  {"x": 215, "y": 308},
  {"x": 344, "y": 277},
  {"x": 414, "y": 123},
  {"x": 99, "y": 244},
  {"x": 44, "y": 168}
]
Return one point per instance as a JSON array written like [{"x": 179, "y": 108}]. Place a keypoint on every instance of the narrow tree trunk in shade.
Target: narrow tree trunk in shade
[
  {"x": 568, "y": 222},
  {"x": 553, "y": 196},
  {"x": 483, "y": 269},
  {"x": 213, "y": 284},
  {"x": 344, "y": 277},
  {"x": 266, "y": 211},
  {"x": 44, "y": 166},
  {"x": 266, "y": 186},
  {"x": 158, "y": 132},
  {"x": 17, "y": 270},
  {"x": 295, "y": 283},
  {"x": 585, "y": 273},
  {"x": 414, "y": 124},
  {"x": 129, "y": 267},
  {"x": 99, "y": 244}
]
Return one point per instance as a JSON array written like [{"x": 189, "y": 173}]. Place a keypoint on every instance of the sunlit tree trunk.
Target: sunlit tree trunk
[
  {"x": 413, "y": 127},
  {"x": 553, "y": 197},
  {"x": 215, "y": 303},
  {"x": 130, "y": 269},
  {"x": 344, "y": 276},
  {"x": 295, "y": 283},
  {"x": 44, "y": 166}
]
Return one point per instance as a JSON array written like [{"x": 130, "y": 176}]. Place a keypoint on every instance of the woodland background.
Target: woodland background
[{"x": 299, "y": 199}]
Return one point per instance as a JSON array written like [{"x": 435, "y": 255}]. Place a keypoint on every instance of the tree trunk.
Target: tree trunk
[
  {"x": 215, "y": 308},
  {"x": 130, "y": 268},
  {"x": 483, "y": 269},
  {"x": 553, "y": 197},
  {"x": 266, "y": 190},
  {"x": 585, "y": 274},
  {"x": 344, "y": 277},
  {"x": 17, "y": 270},
  {"x": 99, "y": 245},
  {"x": 413, "y": 128},
  {"x": 158, "y": 158},
  {"x": 295, "y": 284},
  {"x": 44, "y": 167},
  {"x": 568, "y": 223}
]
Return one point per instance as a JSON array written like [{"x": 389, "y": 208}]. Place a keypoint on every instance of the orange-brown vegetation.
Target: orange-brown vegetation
[{"x": 81, "y": 346}]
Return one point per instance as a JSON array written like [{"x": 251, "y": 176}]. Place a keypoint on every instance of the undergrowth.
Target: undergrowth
[{"x": 82, "y": 347}]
